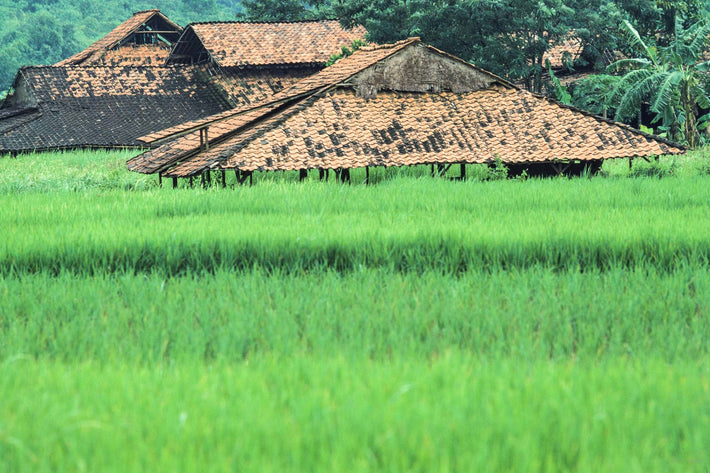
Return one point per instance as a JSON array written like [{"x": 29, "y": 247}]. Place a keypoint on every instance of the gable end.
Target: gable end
[{"x": 419, "y": 68}]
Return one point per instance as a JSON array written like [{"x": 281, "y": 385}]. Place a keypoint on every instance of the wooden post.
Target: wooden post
[
  {"x": 203, "y": 179},
  {"x": 631, "y": 163},
  {"x": 463, "y": 171},
  {"x": 174, "y": 182},
  {"x": 367, "y": 175},
  {"x": 224, "y": 179},
  {"x": 209, "y": 178},
  {"x": 433, "y": 173},
  {"x": 192, "y": 183},
  {"x": 302, "y": 174},
  {"x": 160, "y": 180},
  {"x": 251, "y": 178}
]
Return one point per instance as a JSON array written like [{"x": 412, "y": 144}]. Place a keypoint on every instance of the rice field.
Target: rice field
[{"x": 418, "y": 324}]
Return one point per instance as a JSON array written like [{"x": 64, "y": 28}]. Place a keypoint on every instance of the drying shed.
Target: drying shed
[
  {"x": 102, "y": 106},
  {"x": 119, "y": 88},
  {"x": 395, "y": 105},
  {"x": 145, "y": 39}
]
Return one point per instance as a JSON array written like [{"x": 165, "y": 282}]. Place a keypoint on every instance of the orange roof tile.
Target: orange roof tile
[
  {"x": 338, "y": 72},
  {"x": 399, "y": 129},
  {"x": 136, "y": 55},
  {"x": 94, "y": 53},
  {"x": 236, "y": 44},
  {"x": 325, "y": 121},
  {"x": 565, "y": 52}
]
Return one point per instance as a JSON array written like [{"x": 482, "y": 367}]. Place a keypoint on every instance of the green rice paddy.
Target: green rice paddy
[{"x": 418, "y": 324}]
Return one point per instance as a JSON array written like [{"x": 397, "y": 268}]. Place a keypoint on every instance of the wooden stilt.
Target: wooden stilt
[
  {"x": 174, "y": 182},
  {"x": 302, "y": 174},
  {"x": 463, "y": 171},
  {"x": 203, "y": 180},
  {"x": 433, "y": 173},
  {"x": 251, "y": 178},
  {"x": 160, "y": 180},
  {"x": 367, "y": 175},
  {"x": 631, "y": 163},
  {"x": 192, "y": 183},
  {"x": 224, "y": 179},
  {"x": 209, "y": 178}
]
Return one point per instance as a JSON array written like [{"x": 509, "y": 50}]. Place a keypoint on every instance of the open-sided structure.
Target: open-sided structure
[
  {"x": 394, "y": 105},
  {"x": 145, "y": 39}
]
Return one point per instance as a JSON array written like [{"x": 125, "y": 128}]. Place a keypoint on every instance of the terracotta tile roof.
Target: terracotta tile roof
[
  {"x": 155, "y": 160},
  {"x": 326, "y": 122},
  {"x": 102, "y": 106},
  {"x": 247, "y": 87},
  {"x": 565, "y": 52},
  {"x": 239, "y": 44},
  {"x": 334, "y": 74},
  {"x": 399, "y": 129},
  {"x": 137, "y": 55},
  {"x": 95, "y": 53}
]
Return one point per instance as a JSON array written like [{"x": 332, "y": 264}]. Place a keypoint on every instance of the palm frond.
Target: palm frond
[
  {"x": 701, "y": 38},
  {"x": 666, "y": 89},
  {"x": 701, "y": 96},
  {"x": 633, "y": 63},
  {"x": 636, "y": 40},
  {"x": 635, "y": 95}
]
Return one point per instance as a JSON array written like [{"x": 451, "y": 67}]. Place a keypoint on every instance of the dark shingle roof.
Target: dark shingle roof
[{"x": 104, "y": 106}]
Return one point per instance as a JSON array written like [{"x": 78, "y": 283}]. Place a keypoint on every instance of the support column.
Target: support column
[
  {"x": 302, "y": 174},
  {"x": 174, "y": 182},
  {"x": 160, "y": 180},
  {"x": 367, "y": 175},
  {"x": 463, "y": 171},
  {"x": 224, "y": 179}
]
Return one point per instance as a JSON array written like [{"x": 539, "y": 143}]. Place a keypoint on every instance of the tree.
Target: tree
[
  {"x": 284, "y": 10},
  {"x": 507, "y": 37},
  {"x": 670, "y": 79}
]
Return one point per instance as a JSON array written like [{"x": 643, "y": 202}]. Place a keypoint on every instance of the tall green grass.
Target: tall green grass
[
  {"x": 415, "y": 325},
  {"x": 406, "y": 224},
  {"x": 531, "y": 315},
  {"x": 454, "y": 413}
]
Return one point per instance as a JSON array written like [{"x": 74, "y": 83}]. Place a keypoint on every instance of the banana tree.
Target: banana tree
[{"x": 672, "y": 80}]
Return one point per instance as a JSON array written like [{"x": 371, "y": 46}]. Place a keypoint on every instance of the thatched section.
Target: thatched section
[{"x": 395, "y": 105}]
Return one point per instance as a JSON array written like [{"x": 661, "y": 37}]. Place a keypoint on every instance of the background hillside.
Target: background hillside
[{"x": 46, "y": 31}]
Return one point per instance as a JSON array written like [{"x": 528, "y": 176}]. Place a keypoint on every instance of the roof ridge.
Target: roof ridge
[
  {"x": 146, "y": 11},
  {"x": 247, "y": 22},
  {"x": 105, "y": 66},
  {"x": 375, "y": 47}
]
